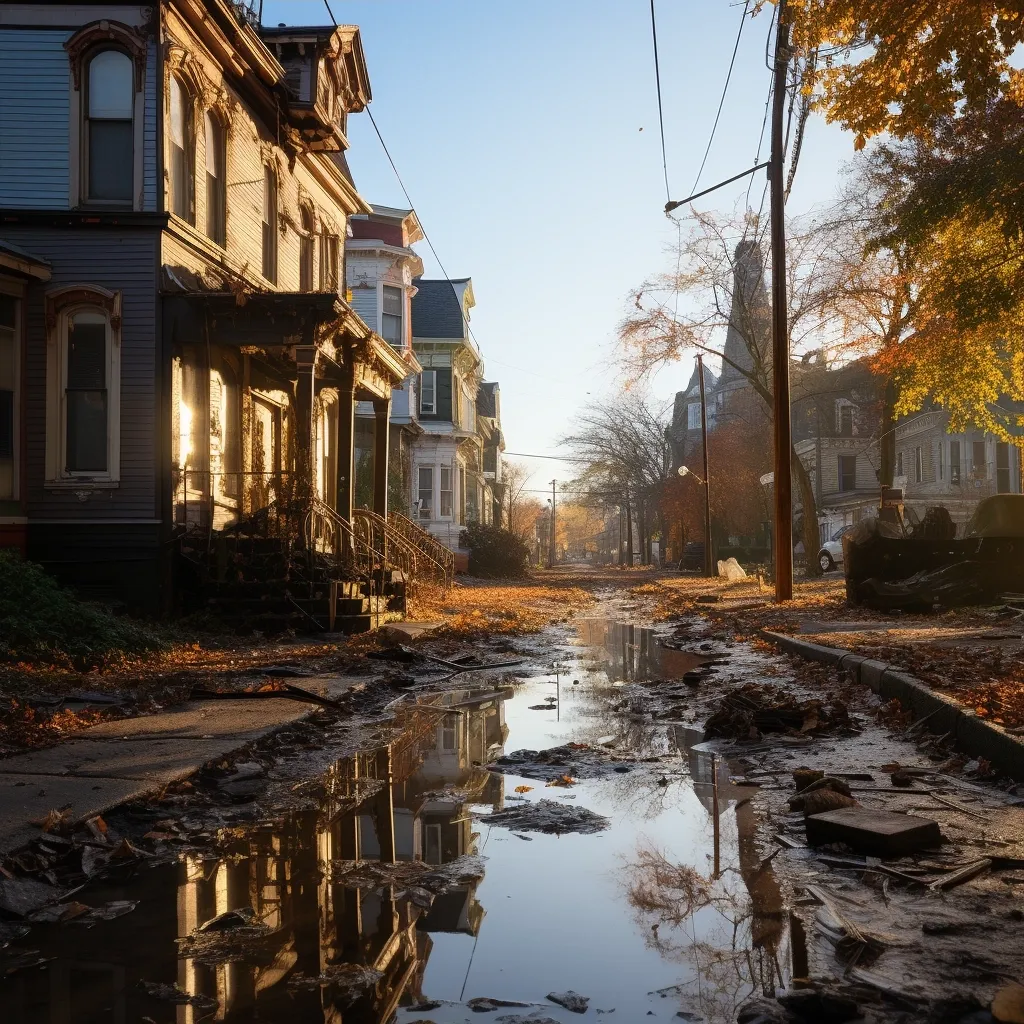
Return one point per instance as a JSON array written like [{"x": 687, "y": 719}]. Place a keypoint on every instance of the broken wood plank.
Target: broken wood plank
[{"x": 965, "y": 874}]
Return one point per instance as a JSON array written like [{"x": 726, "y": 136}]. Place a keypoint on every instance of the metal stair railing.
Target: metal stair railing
[
  {"x": 402, "y": 551},
  {"x": 326, "y": 532},
  {"x": 440, "y": 555}
]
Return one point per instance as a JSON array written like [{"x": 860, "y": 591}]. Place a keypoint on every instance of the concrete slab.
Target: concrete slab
[
  {"x": 216, "y": 719},
  {"x": 157, "y": 760},
  {"x": 27, "y": 798},
  {"x": 403, "y": 632},
  {"x": 872, "y": 832}
]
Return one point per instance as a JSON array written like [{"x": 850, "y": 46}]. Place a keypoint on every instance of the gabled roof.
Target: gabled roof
[
  {"x": 13, "y": 257},
  {"x": 440, "y": 308}
]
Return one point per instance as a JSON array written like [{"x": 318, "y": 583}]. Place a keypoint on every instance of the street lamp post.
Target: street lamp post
[
  {"x": 686, "y": 471},
  {"x": 551, "y": 551}
]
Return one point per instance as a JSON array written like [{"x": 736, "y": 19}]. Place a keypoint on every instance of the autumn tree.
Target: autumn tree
[
  {"x": 937, "y": 77},
  {"x": 519, "y": 509}
]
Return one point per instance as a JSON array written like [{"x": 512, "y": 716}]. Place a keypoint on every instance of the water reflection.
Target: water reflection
[
  {"x": 633, "y": 653},
  {"x": 406, "y": 801}
]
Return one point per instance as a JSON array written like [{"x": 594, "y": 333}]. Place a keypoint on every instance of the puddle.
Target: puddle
[{"x": 659, "y": 912}]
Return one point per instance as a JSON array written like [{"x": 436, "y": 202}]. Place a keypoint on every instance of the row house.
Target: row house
[
  {"x": 456, "y": 462},
  {"x": 446, "y": 439},
  {"x": 179, "y": 365}
]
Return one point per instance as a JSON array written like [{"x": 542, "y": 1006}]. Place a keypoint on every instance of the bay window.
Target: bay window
[
  {"x": 391, "y": 316},
  {"x": 428, "y": 392}
]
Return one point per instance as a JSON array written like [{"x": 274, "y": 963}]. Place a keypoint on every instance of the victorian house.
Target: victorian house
[
  {"x": 179, "y": 365},
  {"x": 456, "y": 461}
]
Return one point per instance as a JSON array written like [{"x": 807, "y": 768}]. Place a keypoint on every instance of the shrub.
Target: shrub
[
  {"x": 42, "y": 622},
  {"x": 495, "y": 552}
]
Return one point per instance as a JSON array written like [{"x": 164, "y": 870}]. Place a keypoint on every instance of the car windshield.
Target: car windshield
[{"x": 839, "y": 534}]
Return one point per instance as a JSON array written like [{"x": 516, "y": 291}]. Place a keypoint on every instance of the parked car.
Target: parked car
[
  {"x": 693, "y": 557},
  {"x": 831, "y": 553}
]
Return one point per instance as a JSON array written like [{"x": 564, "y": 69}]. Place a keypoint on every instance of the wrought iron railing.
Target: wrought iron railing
[
  {"x": 402, "y": 551},
  {"x": 439, "y": 556}
]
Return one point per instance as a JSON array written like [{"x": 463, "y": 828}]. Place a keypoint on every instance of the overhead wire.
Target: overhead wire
[
  {"x": 430, "y": 244},
  {"x": 661, "y": 111},
  {"x": 725, "y": 90}
]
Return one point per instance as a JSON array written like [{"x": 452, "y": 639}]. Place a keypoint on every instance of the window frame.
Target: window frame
[
  {"x": 420, "y": 490},
  {"x": 400, "y": 316},
  {"x": 422, "y": 405},
  {"x": 218, "y": 232},
  {"x": 269, "y": 223},
  {"x": 442, "y": 491},
  {"x": 83, "y": 121},
  {"x": 693, "y": 416},
  {"x": 188, "y": 173},
  {"x": 61, "y": 305},
  {"x": 307, "y": 240},
  {"x": 841, "y": 477},
  {"x": 955, "y": 465},
  {"x": 329, "y": 262},
  {"x": 918, "y": 465},
  {"x": 942, "y": 461}
]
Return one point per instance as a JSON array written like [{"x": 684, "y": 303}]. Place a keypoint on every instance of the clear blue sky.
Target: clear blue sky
[{"x": 517, "y": 130}]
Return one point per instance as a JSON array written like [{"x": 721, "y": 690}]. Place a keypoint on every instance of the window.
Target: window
[
  {"x": 425, "y": 492},
  {"x": 1002, "y": 467},
  {"x": 447, "y": 494},
  {"x": 85, "y": 394},
  {"x": 8, "y": 395},
  {"x": 83, "y": 433},
  {"x": 847, "y": 472},
  {"x": 899, "y": 463},
  {"x": 428, "y": 392},
  {"x": 846, "y": 421},
  {"x": 978, "y": 460},
  {"x": 329, "y": 263},
  {"x": 109, "y": 150},
  {"x": 270, "y": 224},
  {"x": 918, "y": 464},
  {"x": 942, "y": 460},
  {"x": 954, "y": 462},
  {"x": 183, "y": 148},
  {"x": 391, "y": 318},
  {"x": 693, "y": 417},
  {"x": 306, "y": 249},
  {"x": 216, "y": 182}
]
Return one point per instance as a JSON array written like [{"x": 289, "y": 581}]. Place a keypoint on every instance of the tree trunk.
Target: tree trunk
[
  {"x": 629, "y": 531},
  {"x": 810, "y": 506},
  {"x": 887, "y": 442}
]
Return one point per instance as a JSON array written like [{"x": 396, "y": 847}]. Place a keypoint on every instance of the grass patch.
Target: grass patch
[{"x": 42, "y": 623}]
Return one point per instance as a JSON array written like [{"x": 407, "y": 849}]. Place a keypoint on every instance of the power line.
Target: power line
[
  {"x": 556, "y": 458},
  {"x": 661, "y": 112},
  {"x": 334, "y": 20},
  {"x": 721, "y": 102},
  {"x": 430, "y": 244}
]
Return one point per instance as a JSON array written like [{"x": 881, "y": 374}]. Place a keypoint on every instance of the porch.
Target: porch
[{"x": 261, "y": 476}]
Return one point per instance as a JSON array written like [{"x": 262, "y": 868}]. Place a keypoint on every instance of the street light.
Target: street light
[
  {"x": 686, "y": 471},
  {"x": 708, "y": 561}
]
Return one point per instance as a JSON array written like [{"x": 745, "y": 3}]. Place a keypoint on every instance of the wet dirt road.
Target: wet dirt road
[{"x": 327, "y": 939}]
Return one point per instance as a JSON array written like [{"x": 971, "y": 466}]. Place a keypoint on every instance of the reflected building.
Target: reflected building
[
  {"x": 633, "y": 653},
  {"x": 409, "y": 800}
]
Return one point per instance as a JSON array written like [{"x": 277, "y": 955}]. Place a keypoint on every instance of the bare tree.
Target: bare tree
[
  {"x": 716, "y": 303},
  {"x": 626, "y": 453},
  {"x": 519, "y": 510}
]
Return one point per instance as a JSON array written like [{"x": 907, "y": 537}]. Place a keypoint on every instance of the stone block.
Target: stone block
[{"x": 874, "y": 833}]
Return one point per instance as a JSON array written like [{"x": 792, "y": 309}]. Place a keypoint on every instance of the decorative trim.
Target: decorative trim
[
  {"x": 58, "y": 299},
  {"x": 98, "y": 33}
]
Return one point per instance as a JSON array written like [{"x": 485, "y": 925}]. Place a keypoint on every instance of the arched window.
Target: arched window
[
  {"x": 183, "y": 148},
  {"x": 110, "y": 96},
  {"x": 216, "y": 180},
  {"x": 270, "y": 224},
  {"x": 306, "y": 249}
]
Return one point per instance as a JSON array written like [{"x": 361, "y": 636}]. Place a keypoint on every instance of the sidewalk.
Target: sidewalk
[{"x": 117, "y": 761}]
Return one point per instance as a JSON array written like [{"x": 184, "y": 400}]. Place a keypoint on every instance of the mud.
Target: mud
[{"x": 371, "y": 866}]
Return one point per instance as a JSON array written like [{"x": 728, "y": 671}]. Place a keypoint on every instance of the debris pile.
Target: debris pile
[
  {"x": 746, "y": 713},
  {"x": 548, "y": 816},
  {"x": 577, "y": 760},
  {"x": 414, "y": 881}
]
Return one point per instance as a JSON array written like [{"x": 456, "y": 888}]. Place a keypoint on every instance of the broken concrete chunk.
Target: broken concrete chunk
[
  {"x": 877, "y": 833},
  {"x": 572, "y": 1001},
  {"x": 21, "y": 896}
]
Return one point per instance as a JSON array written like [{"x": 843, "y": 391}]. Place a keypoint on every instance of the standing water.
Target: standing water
[{"x": 657, "y": 913}]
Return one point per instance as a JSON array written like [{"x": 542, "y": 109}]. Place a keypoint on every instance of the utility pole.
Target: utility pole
[
  {"x": 708, "y": 559},
  {"x": 551, "y": 549},
  {"x": 780, "y": 333}
]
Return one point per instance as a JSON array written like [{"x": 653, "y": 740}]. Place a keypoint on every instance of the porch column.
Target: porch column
[
  {"x": 382, "y": 418},
  {"x": 305, "y": 360},
  {"x": 346, "y": 444}
]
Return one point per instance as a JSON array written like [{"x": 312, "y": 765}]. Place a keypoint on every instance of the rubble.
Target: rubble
[
  {"x": 572, "y": 1001},
  {"x": 548, "y": 816},
  {"x": 577, "y": 760},
  {"x": 874, "y": 832},
  {"x": 756, "y": 708},
  {"x": 349, "y": 981}
]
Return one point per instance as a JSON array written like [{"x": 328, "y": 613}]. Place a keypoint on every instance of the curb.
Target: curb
[{"x": 973, "y": 735}]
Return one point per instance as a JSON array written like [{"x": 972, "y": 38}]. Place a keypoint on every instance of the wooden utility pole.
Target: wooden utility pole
[
  {"x": 551, "y": 551},
  {"x": 780, "y": 333},
  {"x": 708, "y": 557}
]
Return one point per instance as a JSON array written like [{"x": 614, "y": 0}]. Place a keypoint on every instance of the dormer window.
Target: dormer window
[{"x": 109, "y": 103}]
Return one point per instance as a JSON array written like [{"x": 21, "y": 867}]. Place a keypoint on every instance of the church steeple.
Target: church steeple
[{"x": 749, "y": 332}]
